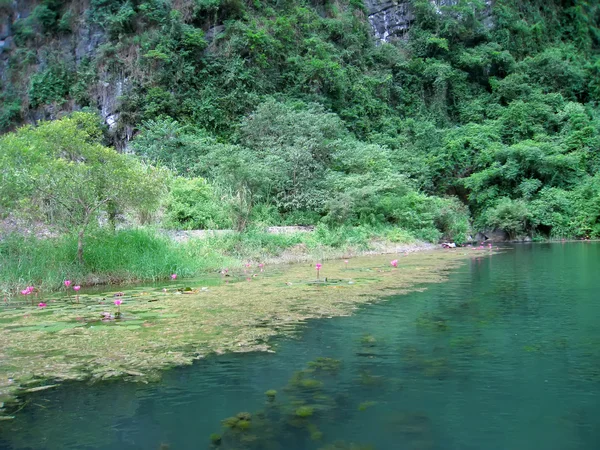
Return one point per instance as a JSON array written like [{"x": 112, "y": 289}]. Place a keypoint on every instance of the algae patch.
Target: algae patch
[{"x": 157, "y": 330}]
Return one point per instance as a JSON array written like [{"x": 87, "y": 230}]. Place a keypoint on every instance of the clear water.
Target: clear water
[{"x": 505, "y": 355}]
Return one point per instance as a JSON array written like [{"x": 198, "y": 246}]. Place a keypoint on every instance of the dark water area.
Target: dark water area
[{"x": 505, "y": 355}]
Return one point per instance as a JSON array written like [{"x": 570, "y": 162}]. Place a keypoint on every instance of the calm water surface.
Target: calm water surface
[{"x": 505, "y": 355}]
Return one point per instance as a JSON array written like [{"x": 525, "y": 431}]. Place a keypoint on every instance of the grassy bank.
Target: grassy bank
[
  {"x": 157, "y": 328},
  {"x": 144, "y": 254}
]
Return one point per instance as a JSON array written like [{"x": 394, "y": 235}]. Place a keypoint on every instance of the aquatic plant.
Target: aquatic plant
[
  {"x": 174, "y": 276},
  {"x": 318, "y": 267},
  {"x": 244, "y": 416},
  {"x": 315, "y": 433},
  {"x": 310, "y": 383},
  {"x": 304, "y": 411},
  {"x": 118, "y": 303},
  {"x": 365, "y": 405},
  {"x": 42, "y": 305},
  {"x": 243, "y": 425},
  {"x": 230, "y": 422},
  {"x": 342, "y": 445},
  {"x": 67, "y": 283},
  {"x": 436, "y": 367},
  {"x": 368, "y": 340},
  {"x": 368, "y": 379},
  {"x": 325, "y": 364},
  {"x": 271, "y": 393},
  {"x": 215, "y": 439},
  {"x": 76, "y": 289},
  {"x": 394, "y": 263}
]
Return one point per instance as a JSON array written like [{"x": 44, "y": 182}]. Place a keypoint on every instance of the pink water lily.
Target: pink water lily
[
  {"x": 28, "y": 290},
  {"x": 345, "y": 261},
  {"x": 76, "y": 288},
  {"x": 318, "y": 267},
  {"x": 174, "y": 276},
  {"x": 118, "y": 302},
  {"x": 394, "y": 263},
  {"x": 261, "y": 266},
  {"x": 42, "y": 305},
  {"x": 67, "y": 283}
]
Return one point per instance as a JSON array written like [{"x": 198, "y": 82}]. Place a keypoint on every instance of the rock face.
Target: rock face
[{"x": 391, "y": 19}]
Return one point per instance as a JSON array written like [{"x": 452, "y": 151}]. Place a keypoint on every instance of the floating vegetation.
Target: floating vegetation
[{"x": 158, "y": 329}]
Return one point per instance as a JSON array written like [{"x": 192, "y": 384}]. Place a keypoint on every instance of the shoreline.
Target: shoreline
[{"x": 162, "y": 330}]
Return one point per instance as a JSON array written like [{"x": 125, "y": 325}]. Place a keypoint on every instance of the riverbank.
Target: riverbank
[
  {"x": 149, "y": 255},
  {"x": 69, "y": 340}
]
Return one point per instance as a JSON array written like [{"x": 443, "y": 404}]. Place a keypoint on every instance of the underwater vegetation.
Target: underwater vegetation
[
  {"x": 368, "y": 340},
  {"x": 322, "y": 364},
  {"x": 305, "y": 411},
  {"x": 341, "y": 445},
  {"x": 366, "y": 405},
  {"x": 160, "y": 328},
  {"x": 433, "y": 322}
]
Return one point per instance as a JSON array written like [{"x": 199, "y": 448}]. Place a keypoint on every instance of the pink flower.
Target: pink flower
[
  {"x": 318, "y": 266},
  {"x": 42, "y": 305},
  {"x": 346, "y": 261},
  {"x": 76, "y": 288},
  {"x": 67, "y": 283},
  {"x": 174, "y": 276},
  {"x": 394, "y": 263},
  {"x": 26, "y": 291},
  {"x": 118, "y": 302}
]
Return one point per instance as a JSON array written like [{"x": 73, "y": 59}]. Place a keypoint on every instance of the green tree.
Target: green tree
[{"x": 61, "y": 173}]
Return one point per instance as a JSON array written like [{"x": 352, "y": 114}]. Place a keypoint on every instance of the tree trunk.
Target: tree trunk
[{"x": 80, "y": 246}]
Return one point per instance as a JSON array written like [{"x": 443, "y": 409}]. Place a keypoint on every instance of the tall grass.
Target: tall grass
[{"x": 146, "y": 255}]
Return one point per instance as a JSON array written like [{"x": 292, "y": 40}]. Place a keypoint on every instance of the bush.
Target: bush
[
  {"x": 192, "y": 205},
  {"x": 512, "y": 216}
]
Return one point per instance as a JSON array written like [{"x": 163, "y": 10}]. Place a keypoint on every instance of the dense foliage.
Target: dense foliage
[
  {"x": 58, "y": 173},
  {"x": 288, "y": 112}
]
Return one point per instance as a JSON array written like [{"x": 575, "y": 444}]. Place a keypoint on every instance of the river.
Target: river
[{"x": 504, "y": 355}]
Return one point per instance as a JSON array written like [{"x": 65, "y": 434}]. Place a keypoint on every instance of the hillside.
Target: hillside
[{"x": 439, "y": 117}]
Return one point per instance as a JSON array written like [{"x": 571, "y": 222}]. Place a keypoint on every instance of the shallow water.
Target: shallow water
[{"x": 505, "y": 355}]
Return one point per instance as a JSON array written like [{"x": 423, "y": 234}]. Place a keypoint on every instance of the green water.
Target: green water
[{"x": 505, "y": 355}]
